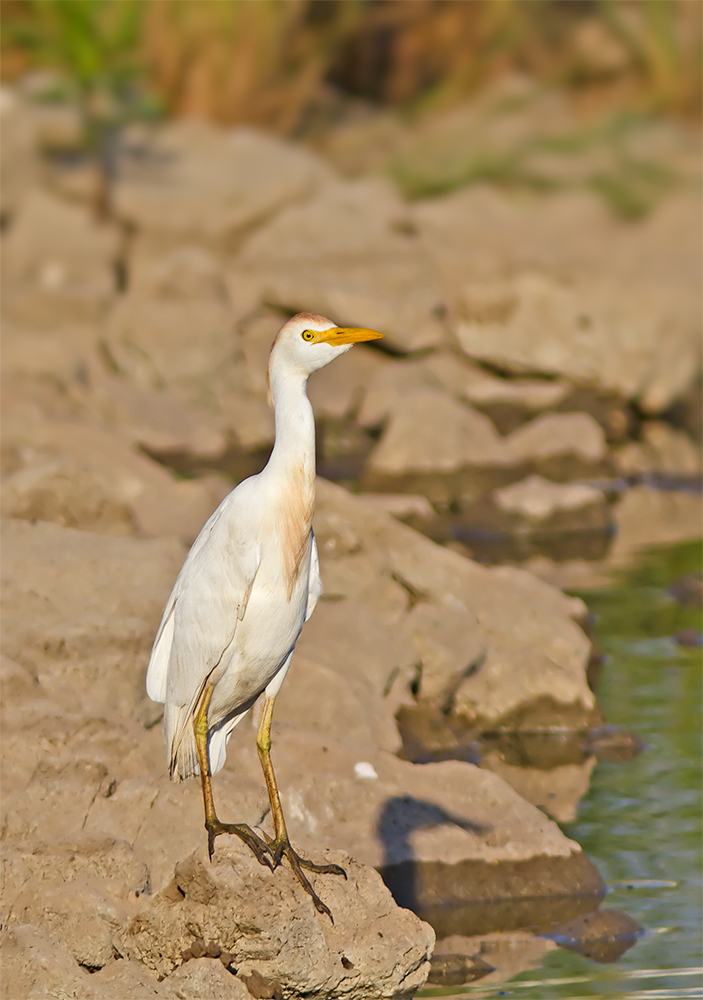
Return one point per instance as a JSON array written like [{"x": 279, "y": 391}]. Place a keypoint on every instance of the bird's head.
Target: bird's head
[{"x": 308, "y": 342}]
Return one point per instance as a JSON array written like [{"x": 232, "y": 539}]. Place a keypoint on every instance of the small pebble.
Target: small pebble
[
  {"x": 186, "y": 954},
  {"x": 226, "y": 957},
  {"x": 198, "y": 949},
  {"x": 213, "y": 949},
  {"x": 692, "y": 638}
]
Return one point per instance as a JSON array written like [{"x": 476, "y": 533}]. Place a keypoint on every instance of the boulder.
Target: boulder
[
  {"x": 197, "y": 183},
  {"x": 58, "y": 263},
  {"x": 268, "y": 924},
  {"x": 346, "y": 254}
]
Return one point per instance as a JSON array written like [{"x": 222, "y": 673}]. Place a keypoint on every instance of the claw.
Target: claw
[
  {"x": 282, "y": 849},
  {"x": 256, "y": 845}
]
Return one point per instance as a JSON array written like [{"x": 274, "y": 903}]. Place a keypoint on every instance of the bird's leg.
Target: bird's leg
[
  {"x": 280, "y": 846},
  {"x": 212, "y": 824}
]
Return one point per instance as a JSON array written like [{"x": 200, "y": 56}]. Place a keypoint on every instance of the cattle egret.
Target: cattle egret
[{"x": 247, "y": 585}]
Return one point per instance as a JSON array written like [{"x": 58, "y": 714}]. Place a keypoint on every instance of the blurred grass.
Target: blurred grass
[{"x": 268, "y": 61}]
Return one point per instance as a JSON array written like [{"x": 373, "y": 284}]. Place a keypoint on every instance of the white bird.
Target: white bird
[{"x": 248, "y": 584}]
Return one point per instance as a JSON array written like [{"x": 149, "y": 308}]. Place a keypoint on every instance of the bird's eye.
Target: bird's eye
[{"x": 308, "y": 335}]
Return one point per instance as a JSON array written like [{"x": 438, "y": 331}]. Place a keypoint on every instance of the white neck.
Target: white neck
[{"x": 295, "y": 424}]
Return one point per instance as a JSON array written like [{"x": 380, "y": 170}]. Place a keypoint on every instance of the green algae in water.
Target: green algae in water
[{"x": 641, "y": 820}]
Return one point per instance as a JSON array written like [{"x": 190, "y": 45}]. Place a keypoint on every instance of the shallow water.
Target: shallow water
[{"x": 641, "y": 819}]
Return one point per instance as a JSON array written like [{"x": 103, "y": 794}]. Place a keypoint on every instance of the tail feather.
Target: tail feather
[{"x": 179, "y": 737}]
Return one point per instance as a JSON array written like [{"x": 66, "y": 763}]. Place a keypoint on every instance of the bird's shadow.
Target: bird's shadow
[{"x": 400, "y": 818}]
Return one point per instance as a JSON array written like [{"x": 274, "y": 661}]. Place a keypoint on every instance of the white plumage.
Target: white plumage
[{"x": 248, "y": 584}]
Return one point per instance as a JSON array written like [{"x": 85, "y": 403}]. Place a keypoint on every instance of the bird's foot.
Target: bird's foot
[
  {"x": 281, "y": 848},
  {"x": 259, "y": 848}
]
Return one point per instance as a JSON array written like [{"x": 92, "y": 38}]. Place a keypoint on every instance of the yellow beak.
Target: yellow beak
[{"x": 346, "y": 335}]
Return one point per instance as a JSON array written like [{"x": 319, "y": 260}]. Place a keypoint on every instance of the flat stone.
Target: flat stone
[
  {"x": 555, "y": 434},
  {"x": 538, "y": 499},
  {"x": 200, "y": 183},
  {"x": 430, "y": 432},
  {"x": 400, "y": 505},
  {"x": 84, "y": 608},
  {"x": 122, "y": 487}
]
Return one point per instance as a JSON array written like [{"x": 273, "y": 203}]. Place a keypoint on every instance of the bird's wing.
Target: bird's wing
[
  {"x": 208, "y": 599},
  {"x": 315, "y": 586}
]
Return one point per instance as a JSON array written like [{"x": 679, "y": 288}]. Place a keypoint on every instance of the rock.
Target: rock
[
  {"x": 20, "y": 161},
  {"x": 58, "y": 263},
  {"x": 520, "y": 619},
  {"x": 195, "y": 182},
  {"x": 161, "y": 343},
  {"x": 429, "y": 432},
  {"x": 688, "y": 590},
  {"x": 69, "y": 495},
  {"x": 555, "y": 436},
  {"x": 182, "y": 272},
  {"x": 690, "y": 638},
  {"x": 456, "y": 970},
  {"x": 204, "y": 977},
  {"x": 83, "y": 860},
  {"x": 442, "y": 833},
  {"x": 120, "y": 980},
  {"x": 350, "y": 657},
  {"x": 84, "y": 609},
  {"x": 438, "y": 447},
  {"x": 508, "y": 952},
  {"x": 557, "y": 791},
  {"x": 571, "y": 291},
  {"x": 157, "y": 420},
  {"x": 34, "y": 966},
  {"x": 269, "y": 925},
  {"x": 37, "y": 968},
  {"x": 663, "y": 450},
  {"x": 90, "y": 477},
  {"x": 480, "y": 388},
  {"x": 646, "y": 516},
  {"x": 602, "y": 936},
  {"x": 345, "y": 255},
  {"x": 403, "y": 506},
  {"x": 449, "y": 646},
  {"x": 338, "y": 390},
  {"x": 536, "y": 505},
  {"x": 82, "y": 916}
]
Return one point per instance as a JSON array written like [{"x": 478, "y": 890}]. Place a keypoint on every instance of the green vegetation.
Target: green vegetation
[{"x": 93, "y": 46}]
